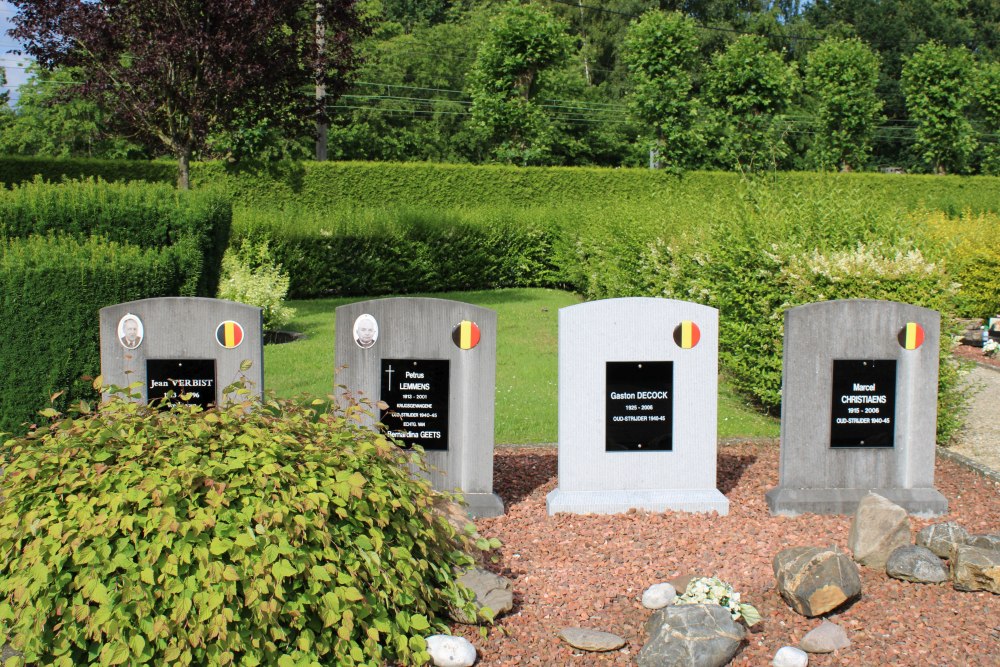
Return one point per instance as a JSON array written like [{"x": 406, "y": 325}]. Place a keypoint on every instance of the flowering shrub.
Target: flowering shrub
[
  {"x": 712, "y": 590},
  {"x": 250, "y": 276}
]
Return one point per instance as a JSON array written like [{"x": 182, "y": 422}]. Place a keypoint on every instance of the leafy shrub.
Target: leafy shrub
[
  {"x": 51, "y": 289},
  {"x": 250, "y": 276},
  {"x": 968, "y": 244},
  {"x": 256, "y": 534},
  {"x": 140, "y": 214},
  {"x": 17, "y": 169}
]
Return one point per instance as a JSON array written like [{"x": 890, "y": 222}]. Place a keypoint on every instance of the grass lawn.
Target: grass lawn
[{"x": 527, "y": 364}]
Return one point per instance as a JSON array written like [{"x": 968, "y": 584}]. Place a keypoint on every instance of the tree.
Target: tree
[
  {"x": 173, "y": 71},
  {"x": 937, "y": 84},
  {"x": 48, "y": 122},
  {"x": 522, "y": 42},
  {"x": 988, "y": 96},
  {"x": 749, "y": 87},
  {"x": 660, "y": 50},
  {"x": 842, "y": 75}
]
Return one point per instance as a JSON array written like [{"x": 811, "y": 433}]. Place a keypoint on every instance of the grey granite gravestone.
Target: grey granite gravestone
[
  {"x": 433, "y": 362},
  {"x": 191, "y": 346},
  {"x": 859, "y": 407},
  {"x": 638, "y": 402}
]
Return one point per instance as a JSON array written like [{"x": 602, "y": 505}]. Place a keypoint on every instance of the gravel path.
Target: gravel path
[
  {"x": 590, "y": 571},
  {"x": 980, "y": 438}
]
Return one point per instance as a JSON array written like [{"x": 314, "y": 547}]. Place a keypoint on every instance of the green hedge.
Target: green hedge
[
  {"x": 15, "y": 170},
  {"x": 140, "y": 214},
  {"x": 51, "y": 289},
  {"x": 369, "y": 252}
]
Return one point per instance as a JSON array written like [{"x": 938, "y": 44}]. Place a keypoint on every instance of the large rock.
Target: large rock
[
  {"x": 827, "y": 637},
  {"x": 586, "y": 639},
  {"x": 691, "y": 635},
  {"x": 449, "y": 651},
  {"x": 492, "y": 591},
  {"x": 917, "y": 564},
  {"x": 815, "y": 580},
  {"x": 991, "y": 541},
  {"x": 975, "y": 569},
  {"x": 879, "y": 528},
  {"x": 943, "y": 538}
]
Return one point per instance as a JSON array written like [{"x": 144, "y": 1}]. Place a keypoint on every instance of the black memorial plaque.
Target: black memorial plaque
[
  {"x": 864, "y": 403},
  {"x": 416, "y": 391},
  {"x": 639, "y": 413},
  {"x": 189, "y": 381}
]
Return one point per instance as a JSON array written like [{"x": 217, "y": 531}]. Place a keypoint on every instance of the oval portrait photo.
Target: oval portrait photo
[
  {"x": 365, "y": 331},
  {"x": 130, "y": 331}
]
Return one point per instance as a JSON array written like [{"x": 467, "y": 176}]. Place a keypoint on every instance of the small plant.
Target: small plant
[
  {"x": 712, "y": 590},
  {"x": 251, "y": 276},
  {"x": 272, "y": 533},
  {"x": 991, "y": 349}
]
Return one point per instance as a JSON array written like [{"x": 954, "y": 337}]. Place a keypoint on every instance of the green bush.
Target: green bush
[
  {"x": 250, "y": 276},
  {"x": 259, "y": 534},
  {"x": 970, "y": 245},
  {"x": 51, "y": 289},
  {"x": 140, "y": 214},
  {"x": 368, "y": 252},
  {"x": 14, "y": 170}
]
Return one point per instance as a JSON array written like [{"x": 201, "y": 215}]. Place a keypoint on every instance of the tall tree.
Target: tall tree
[
  {"x": 523, "y": 42},
  {"x": 660, "y": 51},
  {"x": 173, "y": 71},
  {"x": 749, "y": 87},
  {"x": 988, "y": 96},
  {"x": 937, "y": 84},
  {"x": 841, "y": 76},
  {"x": 46, "y": 121}
]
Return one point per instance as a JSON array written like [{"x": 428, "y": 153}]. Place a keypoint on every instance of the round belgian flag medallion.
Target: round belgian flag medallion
[
  {"x": 229, "y": 334},
  {"x": 466, "y": 335},
  {"x": 911, "y": 336},
  {"x": 687, "y": 334}
]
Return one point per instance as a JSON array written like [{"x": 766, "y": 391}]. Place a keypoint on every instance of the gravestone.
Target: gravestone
[
  {"x": 638, "y": 399},
  {"x": 859, "y": 407},
  {"x": 189, "y": 347},
  {"x": 433, "y": 362}
]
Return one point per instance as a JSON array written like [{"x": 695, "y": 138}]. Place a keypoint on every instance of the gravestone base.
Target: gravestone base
[
  {"x": 483, "y": 505},
  {"x": 621, "y": 501},
  {"x": 923, "y": 502}
]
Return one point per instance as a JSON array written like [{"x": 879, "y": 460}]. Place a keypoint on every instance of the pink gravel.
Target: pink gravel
[{"x": 590, "y": 571}]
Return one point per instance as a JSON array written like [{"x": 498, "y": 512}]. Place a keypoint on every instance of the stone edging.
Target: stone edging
[
  {"x": 983, "y": 364},
  {"x": 969, "y": 464}
]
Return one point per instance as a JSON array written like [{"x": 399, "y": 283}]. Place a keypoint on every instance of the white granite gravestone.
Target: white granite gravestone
[
  {"x": 638, "y": 381},
  {"x": 859, "y": 407},
  {"x": 433, "y": 362},
  {"x": 191, "y": 347}
]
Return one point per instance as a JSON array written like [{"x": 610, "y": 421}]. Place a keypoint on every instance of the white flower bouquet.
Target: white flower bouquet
[
  {"x": 712, "y": 590},
  {"x": 991, "y": 348}
]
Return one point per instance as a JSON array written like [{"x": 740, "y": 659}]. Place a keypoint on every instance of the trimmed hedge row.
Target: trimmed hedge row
[
  {"x": 51, "y": 289},
  {"x": 15, "y": 170},
  {"x": 356, "y": 252},
  {"x": 145, "y": 215},
  {"x": 338, "y": 185}
]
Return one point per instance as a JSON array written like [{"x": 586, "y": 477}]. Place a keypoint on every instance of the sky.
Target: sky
[{"x": 13, "y": 65}]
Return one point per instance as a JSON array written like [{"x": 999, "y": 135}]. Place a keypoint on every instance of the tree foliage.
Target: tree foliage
[
  {"x": 937, "y": 83},
  {"x": 48, "y": 122},
  {"x": 660, "y": 51},
  {"x": 749, "y": 87},
  {"x": 174, "y": 71},
  {"x": 523, "y": 42},
  {"x": 841, "y": 76},
  {"x": 988, "y": 97}
]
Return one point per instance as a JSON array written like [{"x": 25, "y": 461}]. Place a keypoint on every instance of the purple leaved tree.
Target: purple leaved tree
[{"x": 172, "y": 72}]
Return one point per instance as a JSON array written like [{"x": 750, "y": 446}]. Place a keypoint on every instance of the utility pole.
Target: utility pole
[{"x": 322, "y": 121}]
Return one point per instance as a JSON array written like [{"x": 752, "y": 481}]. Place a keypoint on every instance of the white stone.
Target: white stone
[
  {"x": 450, "y": 651},
  {"x": 789, "y": 656},
  {"x": 658, "y": 596}
]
